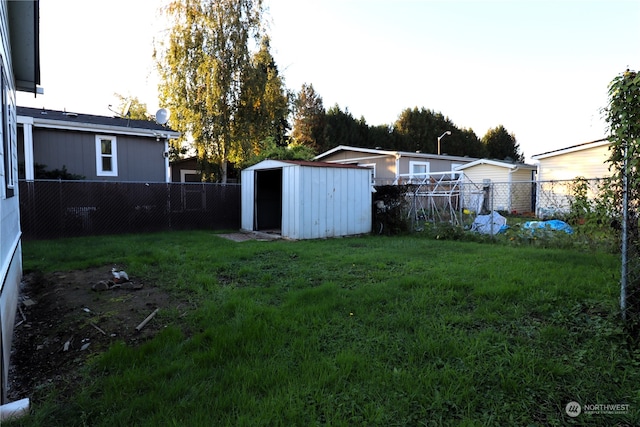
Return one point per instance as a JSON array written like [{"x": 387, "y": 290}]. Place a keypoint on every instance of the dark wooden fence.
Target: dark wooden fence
[{"x": 55, "y": 209}]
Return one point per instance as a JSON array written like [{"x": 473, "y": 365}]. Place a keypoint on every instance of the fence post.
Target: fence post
[
  {"x": 625, "y": 236},
  {"x": 168, "y": 207},
  {"x": 414, "y": 209},
  {"x": 492, "y": 195}
]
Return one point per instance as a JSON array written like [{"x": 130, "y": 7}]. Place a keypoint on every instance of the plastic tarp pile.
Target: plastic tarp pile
[
  {"x": 553, "y": 225},
  {"x": 495, "y": 223},
  {"x": 492, "y": 224}
]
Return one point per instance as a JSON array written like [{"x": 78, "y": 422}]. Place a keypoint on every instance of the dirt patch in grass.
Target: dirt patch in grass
[
  {"x": 252, "y": 235},
  {"x": 63, "y": 321}
]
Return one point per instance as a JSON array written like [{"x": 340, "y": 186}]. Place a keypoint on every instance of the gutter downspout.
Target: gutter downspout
[
  {"x": 538, "y": 189},
  {"x": 165, "y": 154},
  {"x": 511, "y": 172}
]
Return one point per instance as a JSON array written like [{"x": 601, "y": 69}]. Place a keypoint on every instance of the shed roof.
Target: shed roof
[
  {"x": 87, "y": 122},
  {"x": 323, "y": 164},
  {"x": 269, "y": 163},
  {"x": 498, "y": 163}
]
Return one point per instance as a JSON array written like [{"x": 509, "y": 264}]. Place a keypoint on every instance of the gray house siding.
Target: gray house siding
[
  {"x": 141, "y": 159},
  {"x": 57, "y": 149}
]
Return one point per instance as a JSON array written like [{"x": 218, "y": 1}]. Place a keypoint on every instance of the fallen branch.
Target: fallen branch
[
  {"x": 145, "y": 321},
  {"x": 24, "y": 318},
  {"x": 98, "y": 328}
]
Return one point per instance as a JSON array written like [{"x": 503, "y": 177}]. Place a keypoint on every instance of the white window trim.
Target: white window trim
[
  {"x": 455, "y": 166},
  {"x": 114, "y": 156},
  {"x": 10, "y": 128},
  {"x": 421, "y": 177},
  {"x": 8, "y": 149}
]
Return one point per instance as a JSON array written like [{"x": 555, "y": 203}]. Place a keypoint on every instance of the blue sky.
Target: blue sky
[{"x": 540, "y": 68}]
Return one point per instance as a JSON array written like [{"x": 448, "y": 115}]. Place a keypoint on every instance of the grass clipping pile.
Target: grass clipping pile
[{"x": 65, "y": 318}]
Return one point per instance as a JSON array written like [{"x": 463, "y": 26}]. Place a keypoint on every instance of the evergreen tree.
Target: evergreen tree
[
  {"x": 309, "y": 118},
  {"x": 342, "y": 129},
  {"x": 502, "y": 145},
  {"x": 382, "y": 136},
  {"x": 419, "y": 129}
]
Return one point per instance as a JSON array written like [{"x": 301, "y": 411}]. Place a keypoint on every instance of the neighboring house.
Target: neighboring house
[
  {"x": 185, "y": 170},
  {"x": 393, "y": 167},
  {"x": 306, "y": 200},
  {"x": 19, "y": 70},
  {"x": 509, "y": 184},
  {"x": 188, "y": 170},
  {"x": 586, "y": 160},
  {"x": 94, "y": 147},
  {"x": 558, "y": 169}
]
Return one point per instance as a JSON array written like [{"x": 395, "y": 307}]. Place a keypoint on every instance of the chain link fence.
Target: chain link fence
[
  {"x": 457, "y": 201},
  {"x": 630, "y": 270},
  {"x": 56, "y": 209},
  {"x": 629, "y": 228}
]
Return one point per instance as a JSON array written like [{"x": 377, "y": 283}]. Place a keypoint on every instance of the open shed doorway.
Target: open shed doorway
[{"x": 268, "y": 200}]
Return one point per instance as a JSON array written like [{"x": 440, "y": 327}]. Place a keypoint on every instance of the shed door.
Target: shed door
[{"x": 268, "y": 199}]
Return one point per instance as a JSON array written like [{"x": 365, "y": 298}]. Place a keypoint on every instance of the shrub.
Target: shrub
[{"x": 390, "y": 210}]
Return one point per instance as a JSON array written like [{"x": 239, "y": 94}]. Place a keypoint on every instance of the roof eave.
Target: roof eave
[
  {"x": 391, "y": 153},
  {"x": 573, "y": 148},
  {"x": 24, "y": 30},
  {"x": 91, "y": 127},
  {"x": 496, "y": 163},
  {"x": 359, "y": 149}
]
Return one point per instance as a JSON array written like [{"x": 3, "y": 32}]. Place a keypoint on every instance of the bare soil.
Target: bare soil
[{"x": 62, "y": 321}]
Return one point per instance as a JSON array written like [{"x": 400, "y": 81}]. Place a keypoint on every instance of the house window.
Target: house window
[
  {"x": 106, "y": 156},
  {"x": 418, "y": 170}
]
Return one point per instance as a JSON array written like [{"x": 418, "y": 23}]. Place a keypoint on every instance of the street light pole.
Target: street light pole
[{"x": 440, "y": 137}]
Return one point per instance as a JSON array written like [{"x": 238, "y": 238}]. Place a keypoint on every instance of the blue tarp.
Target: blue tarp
[{"x": 552, "y": 224}]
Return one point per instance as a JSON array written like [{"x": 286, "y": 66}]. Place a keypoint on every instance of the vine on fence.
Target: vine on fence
[
  {"x": 581, "y": 206},
  {"x": 623, "y": 117}
]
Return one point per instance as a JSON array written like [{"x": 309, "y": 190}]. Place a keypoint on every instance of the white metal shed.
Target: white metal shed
[{"x": 306, "y": 200}]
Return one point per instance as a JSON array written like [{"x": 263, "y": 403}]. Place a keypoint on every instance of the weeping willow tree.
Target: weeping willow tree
[{"x": 201, "y": 64}]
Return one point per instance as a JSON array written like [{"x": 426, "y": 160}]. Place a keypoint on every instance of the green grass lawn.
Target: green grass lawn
[{"x": 355, "y": 331}]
